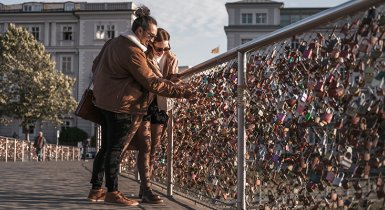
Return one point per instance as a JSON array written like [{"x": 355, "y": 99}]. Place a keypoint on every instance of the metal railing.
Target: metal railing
[
  {"x": 260, "y": 119},
  {"x": 13, "y": 150},
  {"x": 299, "y": 27}
]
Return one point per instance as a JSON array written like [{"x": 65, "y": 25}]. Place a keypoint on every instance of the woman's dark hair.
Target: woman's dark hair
[
  {"x": 162, "y": 35},
  {"x": 143, "y": 18}
]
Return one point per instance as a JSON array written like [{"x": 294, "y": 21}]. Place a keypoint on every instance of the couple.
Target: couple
[{"x": 129, "y": 71}]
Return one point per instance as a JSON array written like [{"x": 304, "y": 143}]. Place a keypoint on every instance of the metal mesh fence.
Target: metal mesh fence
[{"x": 315, "y": 122}]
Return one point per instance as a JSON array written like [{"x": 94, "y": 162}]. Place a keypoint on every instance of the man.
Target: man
[
  {"x": 123, "y": 88},
  {"x": 39, "y": 146}
]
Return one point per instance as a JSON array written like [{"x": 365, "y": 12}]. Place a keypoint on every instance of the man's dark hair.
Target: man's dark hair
[{"x": 143, "y": 19}]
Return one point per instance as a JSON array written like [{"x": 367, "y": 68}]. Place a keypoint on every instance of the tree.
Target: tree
[
  {"x": 71, "y": 136},
  {"x": 31, "y": 89}
]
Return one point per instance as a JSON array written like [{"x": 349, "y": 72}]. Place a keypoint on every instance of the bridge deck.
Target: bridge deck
[{"x": 65, "y": 185}]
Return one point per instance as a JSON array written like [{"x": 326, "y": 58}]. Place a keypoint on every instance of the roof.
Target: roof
[
  {"x": 258, "y": 1},
  {"x": 255, "y": 1}
]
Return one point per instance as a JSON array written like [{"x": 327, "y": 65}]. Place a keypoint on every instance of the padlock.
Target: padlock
[
  {"x": 366, "y": 171},
  {"x": 327, "y": 117},
  {"x": 330, "y": 176},
  {"x": 338, "y": 179},
  {"x": 333, "y": 195},
  {"x": 345, "y": 51},
  {"x": 378, "y": 80},
  {"x": 257, "y": 182},
  {"x": 346, "y": 184},
  {"x": 302, "y": 46},
  {"x": 367, "y": 155},
  {"x": 346, "y": 159},
  {"x": 304, "y": 96},
  {"x": 376, "y": 51}
]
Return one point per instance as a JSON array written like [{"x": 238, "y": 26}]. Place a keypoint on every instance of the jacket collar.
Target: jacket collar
[{"x": 131, "y": 36}]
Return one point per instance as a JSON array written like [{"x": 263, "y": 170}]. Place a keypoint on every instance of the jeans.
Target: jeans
[
  {"x": 117, "y": 128},
  {"x": 39, "y": 154}
]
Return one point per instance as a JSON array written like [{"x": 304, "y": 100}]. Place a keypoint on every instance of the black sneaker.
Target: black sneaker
[{"x": 149, "y": 197}]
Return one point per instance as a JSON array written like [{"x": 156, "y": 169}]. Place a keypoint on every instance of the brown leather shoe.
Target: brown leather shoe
[
  {"x": 97, "y": 195},
  {"x": 118, "y": 198}
]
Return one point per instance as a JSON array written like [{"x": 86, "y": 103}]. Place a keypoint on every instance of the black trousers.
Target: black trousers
[{"x": 116, "y": 129}]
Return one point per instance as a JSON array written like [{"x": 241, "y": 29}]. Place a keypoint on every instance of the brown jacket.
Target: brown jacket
[
  {"x": 123, "y": 80},
  {"x": 168, "y": 66},
  {"x": 171, "y": 64}
]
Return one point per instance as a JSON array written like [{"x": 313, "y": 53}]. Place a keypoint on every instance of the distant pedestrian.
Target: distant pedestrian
[{"x": 39, "y": 146}]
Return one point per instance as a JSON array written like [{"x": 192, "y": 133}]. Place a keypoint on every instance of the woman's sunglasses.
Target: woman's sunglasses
[{"x": 162, "y": 49}]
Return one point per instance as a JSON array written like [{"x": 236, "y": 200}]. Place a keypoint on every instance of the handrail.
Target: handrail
[
  {"x": 19, "y": 149},
  {"x": 286, "y": 32}
]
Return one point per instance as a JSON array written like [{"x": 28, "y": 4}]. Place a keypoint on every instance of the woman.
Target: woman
[
  {"x": 147, "y": 139},
  {"x": 168, "y": 66}
]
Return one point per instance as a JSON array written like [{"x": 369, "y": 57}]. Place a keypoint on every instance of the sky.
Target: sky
[{"x": 196, "y": 26}]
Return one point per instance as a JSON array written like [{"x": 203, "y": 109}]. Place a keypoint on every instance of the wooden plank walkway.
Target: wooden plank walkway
[{"x": 65, "y": 185}]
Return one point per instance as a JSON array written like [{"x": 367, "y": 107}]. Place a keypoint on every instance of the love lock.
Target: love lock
[
  {"x": 346, "y": 159},
  {"x": 338, "y": 179},
  {"x": 327, "y": 117}
]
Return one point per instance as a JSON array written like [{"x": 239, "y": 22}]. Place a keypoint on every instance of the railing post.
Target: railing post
[
  {"x": 29, "y": 148},
  {"x": 170, "y": 149},
  {"x": 56, "y": 152},
  {"x": 62, "y": 152},
  {"x": 241, "y": 201},
  {"x": 22, "y": 151},
  {"x": 6, "y": 150},
  {"x": 136, "y": 172},
  {"x": 50, "y": 152},
  {"x": 44, "y": 153},
  {"x": 73, "y": 153},
  {"x": 14, "y": 150}
]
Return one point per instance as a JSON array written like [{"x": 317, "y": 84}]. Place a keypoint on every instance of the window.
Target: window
[
  {"x": 243, "y": 41},
  {"x": 27, "y": 8},
  {"x": 110, "y": 31},
  {"x": 35, "y": 31},
  {"x": 247, "y": 18},
  {"x": 260, "y": 18},
  {"x": 105, "y": 31},
  {"x": 66, "y": 64},
  {"x": 38, "y": 8},
  {"x": 66, "y": 124},
  {"x": 67, "y": 33},
  {"x": 69, "y": 6},
  {"x": 32, "y": 8},
  {"x": 100, "y": 33}
]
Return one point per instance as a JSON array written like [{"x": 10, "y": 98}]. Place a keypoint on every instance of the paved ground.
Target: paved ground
[{"x": 65, "y": 185}]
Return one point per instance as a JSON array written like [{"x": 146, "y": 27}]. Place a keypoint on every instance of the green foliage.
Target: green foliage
[
  {"x": 31, "y": 89},
  {"x": 71, "y": 136}
]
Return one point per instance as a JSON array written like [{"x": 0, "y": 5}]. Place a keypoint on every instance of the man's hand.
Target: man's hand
[{"x": 188, "y": 92}]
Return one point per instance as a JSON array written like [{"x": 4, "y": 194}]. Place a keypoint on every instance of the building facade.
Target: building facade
[
  {"x": 73, "y": 34},
  {"x": 249, "y": 19}
]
